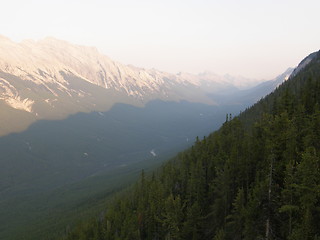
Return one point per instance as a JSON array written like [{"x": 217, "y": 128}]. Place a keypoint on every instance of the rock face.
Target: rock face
[
  {"x": 51, "y": 79},
  {"x": 47, "y": 63},
  {"x": 303, "y": 63},
  {"x": 57, "y": 68}
]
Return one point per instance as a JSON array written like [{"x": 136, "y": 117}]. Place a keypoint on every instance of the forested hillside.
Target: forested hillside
[{"x": 256, "y": 178}]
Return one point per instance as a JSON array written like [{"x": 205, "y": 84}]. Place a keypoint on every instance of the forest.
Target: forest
[{"x": 257, "y": 177}]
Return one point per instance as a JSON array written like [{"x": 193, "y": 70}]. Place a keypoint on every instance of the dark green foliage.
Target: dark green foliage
[{"x": 256, "y": 178}]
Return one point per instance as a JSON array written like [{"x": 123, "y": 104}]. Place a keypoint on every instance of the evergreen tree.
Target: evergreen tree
[{"x": 257, "y": 177}]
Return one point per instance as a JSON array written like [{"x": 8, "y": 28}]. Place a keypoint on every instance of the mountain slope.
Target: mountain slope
[
  {"x": 258, "y": 177},
  {"x": 122, "y": 124},
  {"x": 54, "y": 155},
  {"x": 247, "y": 97},
  {"x": 52, "y": 79}
]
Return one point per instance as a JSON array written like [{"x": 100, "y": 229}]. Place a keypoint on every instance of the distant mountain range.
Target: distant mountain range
[{"x": 52, "y": 79}]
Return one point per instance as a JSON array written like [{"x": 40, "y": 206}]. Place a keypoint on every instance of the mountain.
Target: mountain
[
  {"x": 304, "y": 63},
  {"x": 52, "y": 79},
  {"x": 214, "y": 83},
  {"x": 73, "y": 121},
  {"x": 259, "y": 91},
  {"x": 246, "y": 97},
  {"x": 257, "y": 177}
]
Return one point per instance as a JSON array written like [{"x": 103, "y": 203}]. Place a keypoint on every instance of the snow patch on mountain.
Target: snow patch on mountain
[
  {"x": 10, "y": 95},
  {"x": 20, "y": 104}
]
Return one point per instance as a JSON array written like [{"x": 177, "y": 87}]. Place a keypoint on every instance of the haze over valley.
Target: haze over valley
[
  {"x": 159, "y": 120},
  {"x": 69, "y": 112}
]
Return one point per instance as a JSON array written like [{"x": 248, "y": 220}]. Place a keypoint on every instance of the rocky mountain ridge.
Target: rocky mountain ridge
[
  {"x": 52, "y": 79},
  {"x": 47, "y": 62}
]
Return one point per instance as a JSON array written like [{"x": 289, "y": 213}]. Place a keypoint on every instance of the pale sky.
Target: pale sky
[{"x": 252, "y": 38}]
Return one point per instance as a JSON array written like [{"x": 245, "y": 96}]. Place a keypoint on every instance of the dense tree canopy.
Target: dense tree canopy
[{"x": 256, "y": 178}]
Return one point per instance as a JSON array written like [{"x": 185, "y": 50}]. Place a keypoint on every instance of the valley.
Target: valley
[
  {"x": 257, "y": 177},
  {"x": 159, "y": 120},
  {"x": 76, "y": 127},
  {"x": 55, "y": 166}
]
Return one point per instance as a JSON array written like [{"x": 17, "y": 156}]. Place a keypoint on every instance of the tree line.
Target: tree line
[{"x": 257, "y": 177}]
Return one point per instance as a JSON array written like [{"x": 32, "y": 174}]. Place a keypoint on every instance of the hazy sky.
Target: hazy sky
[{"x": 252, "y": 38}]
